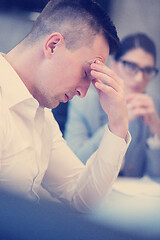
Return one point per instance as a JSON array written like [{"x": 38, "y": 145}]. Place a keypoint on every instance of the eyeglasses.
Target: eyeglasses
[{"x": 132, "y": 69}]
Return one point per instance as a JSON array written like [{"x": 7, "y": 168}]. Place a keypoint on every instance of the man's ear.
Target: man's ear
[{"x": 52, "y": 42}]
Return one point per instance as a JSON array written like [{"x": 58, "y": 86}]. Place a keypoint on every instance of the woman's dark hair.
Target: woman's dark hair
[{"x": 138, "y": 40}]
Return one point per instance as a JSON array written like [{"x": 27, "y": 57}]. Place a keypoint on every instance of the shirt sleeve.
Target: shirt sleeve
[{"x": 84, "y": 185}]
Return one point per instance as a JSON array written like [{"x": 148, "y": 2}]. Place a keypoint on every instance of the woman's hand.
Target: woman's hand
[{"x": 142, "y": 105}]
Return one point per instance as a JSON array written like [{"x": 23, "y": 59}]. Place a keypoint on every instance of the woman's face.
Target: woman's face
[{"x": 136, "y": 68}]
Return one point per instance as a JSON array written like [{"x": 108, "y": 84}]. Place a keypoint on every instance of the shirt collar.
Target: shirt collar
[{"x": 12, "y": 87}]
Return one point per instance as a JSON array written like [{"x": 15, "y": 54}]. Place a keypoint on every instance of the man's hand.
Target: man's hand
[
  {"x": 140, "y": 104},
  {"x": 112, "y": 97}
]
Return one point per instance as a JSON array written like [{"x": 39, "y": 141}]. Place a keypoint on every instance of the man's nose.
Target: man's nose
[{"x": 82, "y": 90}]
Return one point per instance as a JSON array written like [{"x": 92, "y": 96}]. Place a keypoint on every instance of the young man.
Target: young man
[{"x": 64, "y": 52}]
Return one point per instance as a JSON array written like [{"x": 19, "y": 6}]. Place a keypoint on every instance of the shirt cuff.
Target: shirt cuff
[
  {"x": 114, "y": 145},
  {"x": 126, "y": 141}
]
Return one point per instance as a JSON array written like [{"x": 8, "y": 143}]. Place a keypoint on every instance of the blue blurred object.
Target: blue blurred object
[
  {"x": 34, "y": 5},
  {"x": 24, "y": 220},
  {"x": 60, "y": 113},
  {"x": 29, "y": 5}
]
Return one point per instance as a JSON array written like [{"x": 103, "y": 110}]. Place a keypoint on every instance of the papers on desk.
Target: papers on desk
[{"x": 134, "y": 186}]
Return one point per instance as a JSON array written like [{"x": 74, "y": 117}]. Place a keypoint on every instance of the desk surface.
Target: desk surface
[{"x": 133, "y": 206}]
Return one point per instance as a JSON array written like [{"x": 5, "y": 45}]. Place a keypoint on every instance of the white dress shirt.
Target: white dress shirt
[{"x": 32, "y": 150}]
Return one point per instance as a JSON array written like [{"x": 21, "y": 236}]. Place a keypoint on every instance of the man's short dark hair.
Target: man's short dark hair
[{"x": 76, "y": 20}]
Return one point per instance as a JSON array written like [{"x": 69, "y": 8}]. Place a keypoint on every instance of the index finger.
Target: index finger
[{"x": 101, "y": 67}]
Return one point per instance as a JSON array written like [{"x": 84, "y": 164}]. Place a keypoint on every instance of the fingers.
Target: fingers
[
  {"x": 139, "y": 97},
  {"x": 141, "y": 105},
  {"x": 98, "y": 66},
  {"x": 140, "y": 111},
  {"x": 104, "y": 88},
  {"x": 140, "y": 100},
  {"x": 105, "y": 75},
  {"x": 138, "y": 104}
]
